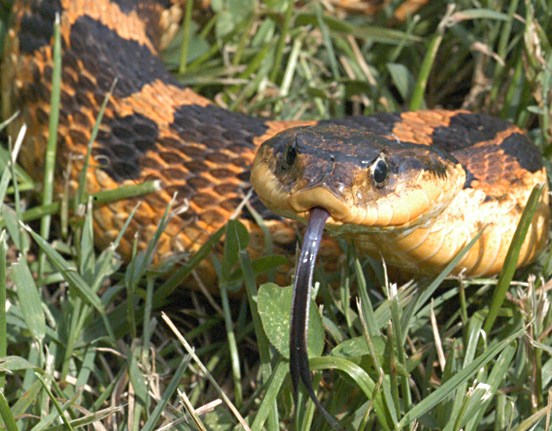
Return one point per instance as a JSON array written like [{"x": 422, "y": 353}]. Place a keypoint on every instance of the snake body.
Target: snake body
[{"x": 154, "y": 129}]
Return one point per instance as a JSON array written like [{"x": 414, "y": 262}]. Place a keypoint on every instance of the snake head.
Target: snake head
[{"x": 365, "y": 181}]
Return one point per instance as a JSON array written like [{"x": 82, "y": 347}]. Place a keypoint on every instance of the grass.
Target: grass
[{"x": 86, "y": 341}]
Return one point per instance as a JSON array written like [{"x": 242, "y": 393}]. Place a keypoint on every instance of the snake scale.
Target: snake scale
[{"x": 421, "y": 184}]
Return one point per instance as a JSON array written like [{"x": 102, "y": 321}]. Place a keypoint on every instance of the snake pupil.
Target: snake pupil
[
  {"x": 379, "y": 172},
  {"x": 290, "y": 154}
]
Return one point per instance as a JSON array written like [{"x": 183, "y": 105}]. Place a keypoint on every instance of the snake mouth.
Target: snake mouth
[{"x": 304, "y": 201}]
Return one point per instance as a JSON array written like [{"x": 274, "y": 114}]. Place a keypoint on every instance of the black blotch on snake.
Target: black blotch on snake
[
  {"x": 126, "y": 141},
  {"x": 529, "y": 158},
  {"x": 37, "y": 28}
]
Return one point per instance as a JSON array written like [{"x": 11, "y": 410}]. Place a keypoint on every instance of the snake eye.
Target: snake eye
[
  {"x": 290, "y": 154},
  {"x": 379, "y": 171}
]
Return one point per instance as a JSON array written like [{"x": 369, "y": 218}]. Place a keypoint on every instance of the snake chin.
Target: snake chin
[{"x": 366, "y": 182}]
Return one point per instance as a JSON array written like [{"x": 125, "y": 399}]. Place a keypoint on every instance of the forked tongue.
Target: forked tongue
[{"x": 299, "y": 325}]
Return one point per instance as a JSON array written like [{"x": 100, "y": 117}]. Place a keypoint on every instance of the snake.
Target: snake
[
  {"x": 414, "y": 204},
  {"x": 412, "y": 187}
]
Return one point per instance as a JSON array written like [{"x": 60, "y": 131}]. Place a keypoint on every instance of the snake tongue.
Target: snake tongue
[{"x": 302, "y": 287}]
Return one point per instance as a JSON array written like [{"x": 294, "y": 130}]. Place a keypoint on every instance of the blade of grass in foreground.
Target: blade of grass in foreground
[
  {"x": 267, "y": 408},
  {"x": 426, "y": 293},
  {"x": 281, "y": 370},
  {"x": 30, "y": 301},
  {"x": 363, "y": 381},
  {"x": 69, "y": 273},
  {"x": 512, "y": 257},
  {"x": 179, "y": 275},
  {"x": 89, "y": 419},
  {"x": 3, "y": 326},
  {"x": 191, "y": 351},
  {"x": 103, "y": 197},
  {"x": 9, "y": 172},
  {"x": 167, "y": 395},
  {"x": 60, "y": 409},
  {"x": 6, "y": 413},
  {"x": 446, "y": 389},
  {"x": 80, "y": 196},
  {"x": 118, "y": 318},
  {"x": 497, "y": 375},
  {"x": 51, "y": 147},
  {"x": 472, "y": 337}
]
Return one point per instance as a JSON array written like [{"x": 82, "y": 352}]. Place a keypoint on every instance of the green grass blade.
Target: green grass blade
[
  {"x": 186, "y": 30},
  {"x": 9, "y": 171},
  {"x": 136, "y": 379},
  {"x": 284, "y": 33},
  {"x": 135, "y": 272},
  {"x": 6, "y": 414},
  {"x": 481, "y": 13},
  {"x": 60, "y": 409},
  {"x": 29, "y": 298},
  {"x": 498, "y": 374},
  {"x": 529, "y": 423},
  {"x": 118, "y": 317},
  {"x": 47, "y": 421},
  {"x": 235, "y": 234},
  {"x": 167, "y": 395},
  {"x": 369, "y": 32},
  {"x": 472, "y": 343},
  {"x": 87, "y": 256},
  {"x": 281, "y": 370},
  {"x": 327, "y": 40},
  {"x": 51, "y": 147},
  {"x": 104, "y": 262},
  {"x": 89, "y": 419},
  {"x": 458, "y": 379},
  {"x": 69, "y": 273},
  {"x": 362, "y": 380},
  {"x": 80, "y": 195},
  {"x": 417, "y": 101},
  {"x": 367, "y": 309},
  {"x": 423, "y": 295},
  {"x": 251, "y": 289},
  {"x": 103, "y": 197},
  {"x": 175, "y": 280},
  {"x": 512, "y": 257},
  {"x": 3, "y": 326}
]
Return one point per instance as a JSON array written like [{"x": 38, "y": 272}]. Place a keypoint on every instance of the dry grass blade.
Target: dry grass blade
[{"x": 192, "y": 353}]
